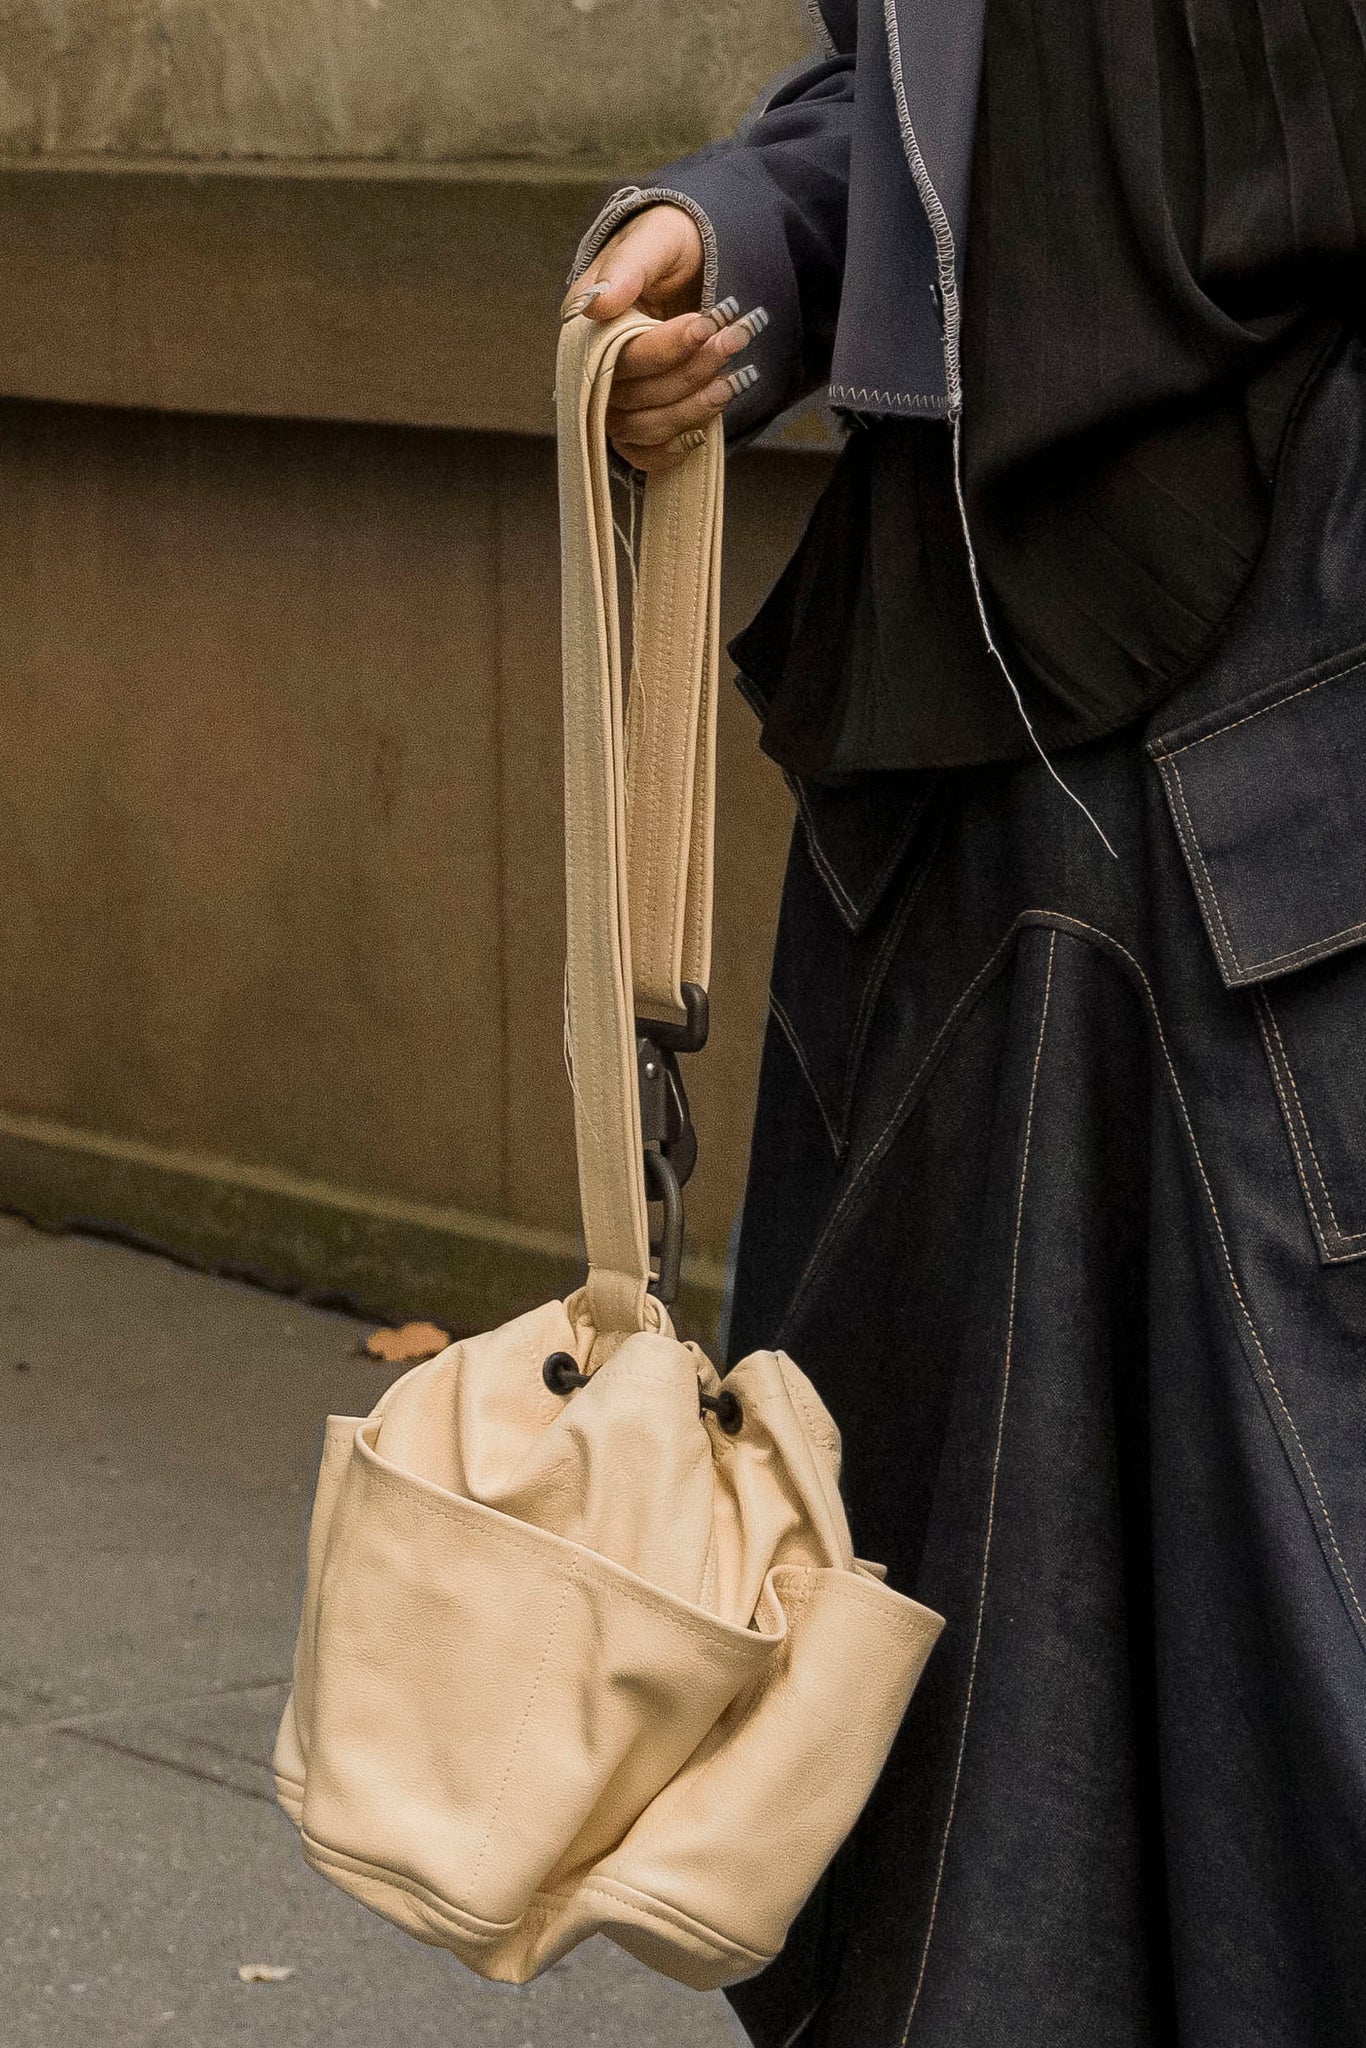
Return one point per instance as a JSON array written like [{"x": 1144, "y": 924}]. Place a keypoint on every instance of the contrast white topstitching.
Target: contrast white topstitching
[{"x": 991, "y": 1495}]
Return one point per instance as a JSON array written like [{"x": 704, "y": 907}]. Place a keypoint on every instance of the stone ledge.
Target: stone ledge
[
  {"x": 337, "y": 1247},
  {"x": 409, "y": 295},
  {"x": 423, "y": 79}
]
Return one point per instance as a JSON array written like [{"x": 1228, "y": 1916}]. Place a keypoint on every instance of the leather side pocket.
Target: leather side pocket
[{"x": 1269, "y": 803}]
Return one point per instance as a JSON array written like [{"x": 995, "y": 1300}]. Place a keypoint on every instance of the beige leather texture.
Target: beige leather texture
[{"x": 583, "y": 1662}]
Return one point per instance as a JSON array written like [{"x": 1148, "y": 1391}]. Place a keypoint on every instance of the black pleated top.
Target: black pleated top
[{"x": 1166, "y": 230}]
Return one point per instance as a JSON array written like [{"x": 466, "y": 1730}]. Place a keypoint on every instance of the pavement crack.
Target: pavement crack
[
  {"x": 74, "y": 1723},
  {"x": 166, "y": 1763}
]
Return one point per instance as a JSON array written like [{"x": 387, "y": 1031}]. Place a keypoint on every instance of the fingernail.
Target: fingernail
[
  {"x": 742, "y": 332},
  {"x": 742, "y": 379},
  {"x": 694, "y": 437},
  {"x": 722, "y": 314},
  {"x": 580, "y": 300}
]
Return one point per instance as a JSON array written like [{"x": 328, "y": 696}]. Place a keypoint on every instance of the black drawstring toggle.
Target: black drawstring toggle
[
  {"x": 561, "y": 1374},
  {"x": 725, "y": 1406}
]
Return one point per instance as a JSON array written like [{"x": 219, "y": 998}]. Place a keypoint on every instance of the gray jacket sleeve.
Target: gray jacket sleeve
[{"x": 770, "y": 202}]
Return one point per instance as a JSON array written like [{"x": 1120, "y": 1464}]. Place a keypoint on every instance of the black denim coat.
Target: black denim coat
[
  {"x": 1059, "y": 1193},
  {"x": 841, "y": 206}
]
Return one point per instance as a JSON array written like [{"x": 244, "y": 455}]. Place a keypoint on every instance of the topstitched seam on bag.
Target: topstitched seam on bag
[
  {"x": 468, "y": 1923},
  {"x": 701, "y": 548},
  {"x": 795, "y": 1607},
  {"x": 991, "y": 1492},
  {"x": 757, "y": 1688},
  {"x": 542, "y": 1905},
  {"x": 1346, "y": 1236},
  {"x": 754, "y": 1689},
  {"x": 669, "y": 1916},
  {"x": 703, "y": 1628},
  {"x": 685, "y": 812},
  {"x": 1196, "y": 857},
  {"x": 1063, "y": 921},
  {"x": 700, "y": 856},
  {"x": 655, "y": 869},
  {"x": 821, "y": 1430},
  {"x": 646, "y": 824},
  {"x": 625, "y": 1377},
  {"x": 612, "y": 1218},
  {"x": 1169, "y": 754},
  {"x": 550, "y": 1635},
  {"x": 855, "y": 1586}
]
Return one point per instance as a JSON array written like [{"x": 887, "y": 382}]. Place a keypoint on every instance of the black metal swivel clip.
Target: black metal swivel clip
[{"x": 666, "y": 1128}]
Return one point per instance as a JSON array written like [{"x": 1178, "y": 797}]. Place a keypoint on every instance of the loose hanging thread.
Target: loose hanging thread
[
  {"x": 634, "y": 706},
  {"x": 995, "y": 651},
  {"x": 574, "y": 1089}
]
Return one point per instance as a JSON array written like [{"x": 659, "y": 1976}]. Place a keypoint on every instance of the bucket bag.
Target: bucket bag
[{"x": 585, "y": 1647}]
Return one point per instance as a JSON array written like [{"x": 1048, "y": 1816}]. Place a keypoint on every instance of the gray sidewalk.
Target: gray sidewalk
[{"x": 159, "y": 1432}]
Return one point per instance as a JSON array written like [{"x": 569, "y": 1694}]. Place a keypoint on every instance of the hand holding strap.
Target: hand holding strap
[{"x": 638, "y": 821}]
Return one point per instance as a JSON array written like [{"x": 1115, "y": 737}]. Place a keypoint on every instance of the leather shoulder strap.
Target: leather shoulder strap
[{"x": 638, "y": 819}]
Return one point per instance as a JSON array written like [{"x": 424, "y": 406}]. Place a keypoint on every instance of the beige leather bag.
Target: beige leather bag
[{"x": 585, "y": 1647}]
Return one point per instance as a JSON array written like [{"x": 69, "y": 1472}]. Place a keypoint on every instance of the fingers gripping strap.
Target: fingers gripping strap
[{"x": 640, "y": 850}]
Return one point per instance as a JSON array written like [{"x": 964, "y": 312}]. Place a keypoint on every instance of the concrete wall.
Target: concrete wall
[
  {"x": 280, "y": 745},
  {"x": 424, "y": 81},
  {"x": 280, "y": 893}
]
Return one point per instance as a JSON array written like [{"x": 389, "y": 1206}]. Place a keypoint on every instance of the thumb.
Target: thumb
[{"x": 616, "y": 287}]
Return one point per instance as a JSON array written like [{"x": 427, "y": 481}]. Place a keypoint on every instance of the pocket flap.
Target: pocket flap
[{"x": 1269, "y": 804}]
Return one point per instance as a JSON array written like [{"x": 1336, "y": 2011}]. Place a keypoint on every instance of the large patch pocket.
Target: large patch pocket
[{"x": 1269, "y": 804}]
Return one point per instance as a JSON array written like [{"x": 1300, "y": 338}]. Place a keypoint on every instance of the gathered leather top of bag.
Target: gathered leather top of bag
[{"x": 585, "y": 1647}]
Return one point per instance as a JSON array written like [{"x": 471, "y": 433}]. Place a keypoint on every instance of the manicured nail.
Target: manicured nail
[
  {"x": 580, "y": 300},
  {"x": 743, "y": 379},
  {"x": 694, "y": 437},
  {"x": 741, "y": 333},
  {"x": 721, "y": 315}
]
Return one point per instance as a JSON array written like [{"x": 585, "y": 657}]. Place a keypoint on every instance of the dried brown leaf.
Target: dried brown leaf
[{"x": 408, "y": 1345}]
